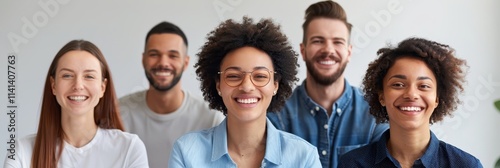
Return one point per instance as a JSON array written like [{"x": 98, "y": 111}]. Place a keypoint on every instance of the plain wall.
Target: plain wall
[{"x": 118, "y": 28}]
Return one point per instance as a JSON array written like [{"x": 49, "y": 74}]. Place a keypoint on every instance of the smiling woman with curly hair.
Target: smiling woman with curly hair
[
  {"x": 412, "y": 86},
  {"x": 246, "y": 69}
]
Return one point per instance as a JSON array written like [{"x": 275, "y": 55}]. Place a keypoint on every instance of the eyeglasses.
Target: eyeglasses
[{"x": 234, "y": 77}]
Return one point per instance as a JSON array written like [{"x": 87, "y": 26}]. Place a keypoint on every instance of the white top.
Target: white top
[
  {"x": 159, "y": 131},
  {"x": 109, "y": 148}
]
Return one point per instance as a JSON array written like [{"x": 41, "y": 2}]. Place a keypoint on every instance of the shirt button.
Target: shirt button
[
  {"x": 323, "y": 152},
  {"x": 317, "y": 108},
  {"x": 312, "y": 112},
  {"x": 339, "y": 110},
  {"x": 325, "y": 126}
]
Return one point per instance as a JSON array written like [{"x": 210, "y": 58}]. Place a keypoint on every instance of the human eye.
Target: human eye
[
  {"x": 261, "y": 76},
  {"x": 89, "y": 76},
  {"x": 425, "y": 86},
  {"x": 66, "y": 76},
  {"x": 397, "y": 85},
  {"x": 232, "y": 76}
]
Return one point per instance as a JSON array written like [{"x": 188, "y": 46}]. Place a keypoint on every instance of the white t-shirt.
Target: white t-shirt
[
  {"x": 159, "y": 131},
  {"x": 109, "y": 148}
]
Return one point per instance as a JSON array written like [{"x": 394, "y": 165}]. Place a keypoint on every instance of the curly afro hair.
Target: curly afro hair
[
  {"x": 440, "y": 58},
  {"x": 229, "y": 36}
]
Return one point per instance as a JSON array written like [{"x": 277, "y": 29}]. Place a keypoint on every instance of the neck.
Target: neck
[
  {"x": 325, "y": 95},
  {"x": 78, "y": 131},
  {"x": 408, "y": 146},
  {"x": 164, "y": 102},
  {"x": 246, "y": 142}
]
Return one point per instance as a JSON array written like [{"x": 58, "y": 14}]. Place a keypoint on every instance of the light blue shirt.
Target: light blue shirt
[
  {"x": 208, "y": 148},
  {"x": 348, "y": 127}
]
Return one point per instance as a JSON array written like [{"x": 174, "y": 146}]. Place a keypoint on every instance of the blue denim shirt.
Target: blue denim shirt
[
  {"x": 438, "y": 154},
  {"x": 208, "y": 148},
  {"x": 350, "y": 125}
]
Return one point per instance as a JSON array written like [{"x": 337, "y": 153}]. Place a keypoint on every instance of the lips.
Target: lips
[
  {"x": 163, "y": 73},
  {"x": 78, "y": 98},
  {"x": 410, "y": 108},
  {"x": 247, "y": 100}
]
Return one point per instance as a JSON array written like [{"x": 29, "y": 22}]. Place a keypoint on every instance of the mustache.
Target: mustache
[
  {"x": 161, "y": 69},
  {"x": 328, "y": 55}
]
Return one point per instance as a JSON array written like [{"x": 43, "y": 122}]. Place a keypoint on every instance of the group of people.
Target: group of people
[{"x": 252, "y": 114}]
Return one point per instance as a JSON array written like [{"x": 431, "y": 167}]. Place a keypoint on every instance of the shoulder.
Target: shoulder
[
  {"x": 359, "y": 156},
  {"x": 195, "y": 136},
  {"x": 198, "y": 105},
  {"x": 119, "y": 136},
  {"x": 294, "y": 141},
  {"x": 133, "y": 97},
  {"x": 27, "y": 141},
  {"x": 458, "y": 155}
]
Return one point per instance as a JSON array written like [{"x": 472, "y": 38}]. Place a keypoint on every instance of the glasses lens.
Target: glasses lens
[
  {"x": 233, "y": 77},
  {"x": 260, "y": 77}
]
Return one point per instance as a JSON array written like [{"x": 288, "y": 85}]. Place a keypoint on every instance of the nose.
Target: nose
[
  {"x": 328, "y": 48},
  {"x": 411, "y": 93},
  {"x": 246, "y": 83},
  {"x": 78, "y": 84}
]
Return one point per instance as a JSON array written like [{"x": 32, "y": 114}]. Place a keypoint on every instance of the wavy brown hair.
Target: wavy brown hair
[
  {"x": 229, "y": 36},
  {"x": 50, "y": 133},
  {"x": 448, "y": 70},
  {"x": 324, "y": 9}
]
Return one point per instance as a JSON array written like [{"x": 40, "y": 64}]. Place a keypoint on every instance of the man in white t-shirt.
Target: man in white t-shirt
[{"x": 165, "y": 111}]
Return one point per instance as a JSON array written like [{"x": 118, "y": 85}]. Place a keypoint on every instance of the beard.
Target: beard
[
  {"x": 322, "y": 79},
  {"x": 164, "y": 88}
]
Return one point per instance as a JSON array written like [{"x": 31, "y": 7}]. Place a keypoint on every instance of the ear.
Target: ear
[
  {"x": 303, "y": 51},
  {"x": 53, "y": 85},
  {"x": 437, "y": 102},
  {"x": 276, "y": 87},
  {"x": 103, "y": 86},
  {"x": 186, "y": 61},
  {"x": 349, "y": 52},
  {"x": 381, "y": 98},
  {"x": 217, "y": 86}
]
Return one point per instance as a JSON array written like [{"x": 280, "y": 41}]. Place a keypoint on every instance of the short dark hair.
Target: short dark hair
[
  {"x": 167, "y": 27},
  {"x": 324, "y": 9},
  {"x": 229, "y": 36},
  {"x": 440, "y": 58}
]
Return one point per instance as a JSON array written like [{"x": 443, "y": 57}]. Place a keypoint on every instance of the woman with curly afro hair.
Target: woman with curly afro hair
[
  {"x": 246, "y": 70},
  {"x": 411, "y": 87}
]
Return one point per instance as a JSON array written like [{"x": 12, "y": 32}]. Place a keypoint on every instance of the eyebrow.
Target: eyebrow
[
  {"x": 87, "y": 70},
  {"x": 404, "y": 77},
  {"x": 169, "y": 51},
  {"x": 238, "y": 68},
  {"x": 321, "y": 37}
]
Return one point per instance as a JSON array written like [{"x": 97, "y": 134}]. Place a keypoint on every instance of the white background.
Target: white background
[{"x": 118, "y": 28}]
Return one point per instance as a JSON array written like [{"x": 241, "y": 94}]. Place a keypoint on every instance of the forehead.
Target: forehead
[
  {"x": 247, "y": 58},
  {"x": 79, "y": 60},
  {"x": 411, "y": 67},
  {"x": 327, "y": 27},
  {"x": 165, "y": 41}
]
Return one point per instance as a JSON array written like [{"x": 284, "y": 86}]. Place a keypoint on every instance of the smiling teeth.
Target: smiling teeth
[
  {"x": 78, "y": 98},
  {"x": 327, "y": 62},
  {"x": 247, "y": 101},
  {"x": 163, "y": 73},
  {"x": 411, "y": 108}
]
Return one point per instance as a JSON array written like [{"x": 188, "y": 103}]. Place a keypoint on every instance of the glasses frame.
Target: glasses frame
[{"x": 245, "y": 74}]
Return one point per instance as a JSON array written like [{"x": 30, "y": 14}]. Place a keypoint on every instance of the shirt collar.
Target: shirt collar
[
  {"x": 427, "y": 158},
  {"x": 431, "y": 152},
  {"x": 343, "y": 102},
  {"x": 219, "y": 147},
  {"x": 273, "y": 143}
]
